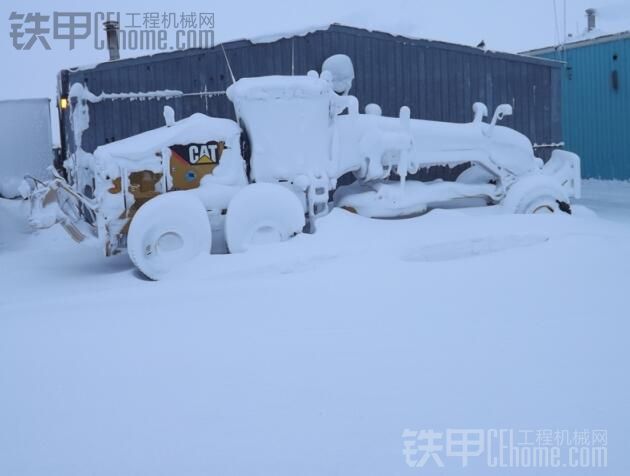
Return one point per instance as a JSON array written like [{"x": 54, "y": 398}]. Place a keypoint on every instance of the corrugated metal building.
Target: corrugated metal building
[
  {"x": 596, "y": 102},
  {"x": 437, "y": 80}
]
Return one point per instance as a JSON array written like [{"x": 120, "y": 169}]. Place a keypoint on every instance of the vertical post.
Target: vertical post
[
  {"x": 591, "y": 15},
  {"x": 111, "y": 27}
]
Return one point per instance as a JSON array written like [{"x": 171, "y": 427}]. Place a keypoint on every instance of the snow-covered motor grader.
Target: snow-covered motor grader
[{"x": 169, "y": 194}]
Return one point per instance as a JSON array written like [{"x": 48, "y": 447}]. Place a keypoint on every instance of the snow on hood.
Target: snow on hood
[
  {"x": 277, "y": 87},
  {"x": 197, "y": 128}
]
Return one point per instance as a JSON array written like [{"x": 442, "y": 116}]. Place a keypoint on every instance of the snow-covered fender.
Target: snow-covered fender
[
  {"x": 536, "y": 192},
  {"x": 565, "y": 168}
]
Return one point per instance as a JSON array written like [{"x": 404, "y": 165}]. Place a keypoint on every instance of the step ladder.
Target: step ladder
[{"x": 317, "y": 195}]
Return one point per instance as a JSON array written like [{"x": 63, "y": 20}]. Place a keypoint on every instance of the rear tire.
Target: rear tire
[
  {"x": 168, "y": 231},
  {"x": 262, "y": 213}
]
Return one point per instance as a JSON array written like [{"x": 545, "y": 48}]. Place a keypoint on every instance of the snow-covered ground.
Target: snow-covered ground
[{"x": 313, "y": 356}]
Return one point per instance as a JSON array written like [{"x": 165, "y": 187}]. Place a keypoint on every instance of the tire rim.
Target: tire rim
[
  {"x": 266, "y": 234},
  {"x": 169, "y": 242},
  {"x": 543, "y": 209}
]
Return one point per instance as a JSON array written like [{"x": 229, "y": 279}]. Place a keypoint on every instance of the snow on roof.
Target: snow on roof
[
  {"x": 272, "y": 37},
  {"x": 256, "y": 39},
  {"x": 23, "y": 100},
  {"x": 587, "y": 38},
  {"x": 587, "y": 35},
  {"x": 197, "y": 128},
  {"x": 360, "y": 25}
]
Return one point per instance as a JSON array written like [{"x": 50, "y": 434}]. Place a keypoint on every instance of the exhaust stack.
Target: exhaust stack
[
  {"x": 111, "y": 27},
  {"x": 591, "y": 15}
]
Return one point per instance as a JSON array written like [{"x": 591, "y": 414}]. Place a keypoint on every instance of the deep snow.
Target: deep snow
[{"x": 313, "y": 356}]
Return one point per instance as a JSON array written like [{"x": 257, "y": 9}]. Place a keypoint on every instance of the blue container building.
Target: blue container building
[{"x": 596, "y": 102}]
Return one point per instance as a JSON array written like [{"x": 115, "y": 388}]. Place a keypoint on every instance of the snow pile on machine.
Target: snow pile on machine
[{"x": 170, "y": 194}]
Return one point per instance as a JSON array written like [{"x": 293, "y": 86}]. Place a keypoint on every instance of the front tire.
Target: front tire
[{"x": 168, "y": 231}]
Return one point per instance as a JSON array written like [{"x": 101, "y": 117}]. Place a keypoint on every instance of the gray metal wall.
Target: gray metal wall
[{"x": 438, "y": 81}]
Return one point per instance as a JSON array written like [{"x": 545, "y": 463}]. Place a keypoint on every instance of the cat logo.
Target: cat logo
[
  {"x": 191, "y": 162},
  {"x": 202, "y": 154}
]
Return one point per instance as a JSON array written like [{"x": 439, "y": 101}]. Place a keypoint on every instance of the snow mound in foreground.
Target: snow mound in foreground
[{"x": 13, "y": 225}]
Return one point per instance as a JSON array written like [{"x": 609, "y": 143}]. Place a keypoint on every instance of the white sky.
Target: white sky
[{"x": 508, "y": 25}]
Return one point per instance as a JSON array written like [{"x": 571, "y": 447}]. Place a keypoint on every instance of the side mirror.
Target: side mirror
[{"x": 502, "y": 111}]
